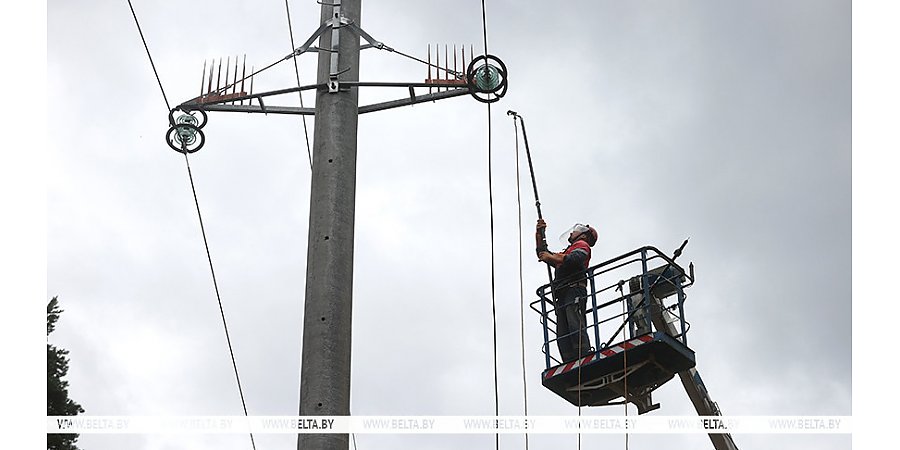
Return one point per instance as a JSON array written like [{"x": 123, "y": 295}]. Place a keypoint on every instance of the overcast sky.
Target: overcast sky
[{"x": 725, "y": 122}]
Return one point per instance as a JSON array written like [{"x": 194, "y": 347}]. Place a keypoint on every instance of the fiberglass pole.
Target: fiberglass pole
[{"x": 537, "y": 200}]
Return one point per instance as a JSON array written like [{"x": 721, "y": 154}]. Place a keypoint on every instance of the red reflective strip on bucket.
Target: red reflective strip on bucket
[{"x": 618, "y": 348}]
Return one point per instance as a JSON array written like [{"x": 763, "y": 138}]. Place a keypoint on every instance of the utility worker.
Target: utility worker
[{"x": 569, "y": 287}]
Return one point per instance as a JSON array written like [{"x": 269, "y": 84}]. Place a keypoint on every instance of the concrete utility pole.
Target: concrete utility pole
[{"x": 325, "y": 370}]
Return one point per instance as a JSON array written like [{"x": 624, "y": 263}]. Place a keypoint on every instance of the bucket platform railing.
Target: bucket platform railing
[{"x": 636, "y": 321}]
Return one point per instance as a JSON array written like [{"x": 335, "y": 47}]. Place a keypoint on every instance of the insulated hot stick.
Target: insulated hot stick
[{"x": 542, "y": 247}]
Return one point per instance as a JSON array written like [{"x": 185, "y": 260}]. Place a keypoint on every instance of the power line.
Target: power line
[
  {"x": 484, "y": 27},
  {"x": 493, "y": 278},
  {"x": 297, "y": 73},
  {"x": 493, "y": 274},
  {"x": 166, "y": 99},
  {"x": 521, "y": 282},
  {"x": 202, "y": 228},
  {"x": 218, "y": 297}
]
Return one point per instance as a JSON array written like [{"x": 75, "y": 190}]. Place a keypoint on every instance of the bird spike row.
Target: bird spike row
[
  {"x": 443, "y": 75},
  {"x": 229, "y": 91}
]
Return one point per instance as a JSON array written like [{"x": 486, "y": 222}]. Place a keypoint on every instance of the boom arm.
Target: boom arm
[
  {"x": 705, "y": 406},
  {"x": 693, "y": 384}
]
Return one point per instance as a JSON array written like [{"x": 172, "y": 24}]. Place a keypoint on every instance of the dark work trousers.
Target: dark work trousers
[{"x": 570, "y": 324}]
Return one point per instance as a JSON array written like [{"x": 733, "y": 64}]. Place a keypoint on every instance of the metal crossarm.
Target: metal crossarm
[{"x": 226, "y": 104}]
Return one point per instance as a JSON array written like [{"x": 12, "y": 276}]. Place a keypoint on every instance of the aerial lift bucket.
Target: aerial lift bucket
[{"x": 646, "y": 347}]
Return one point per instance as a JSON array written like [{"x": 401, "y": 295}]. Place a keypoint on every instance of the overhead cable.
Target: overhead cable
[{"x": 202, "y": 228}]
